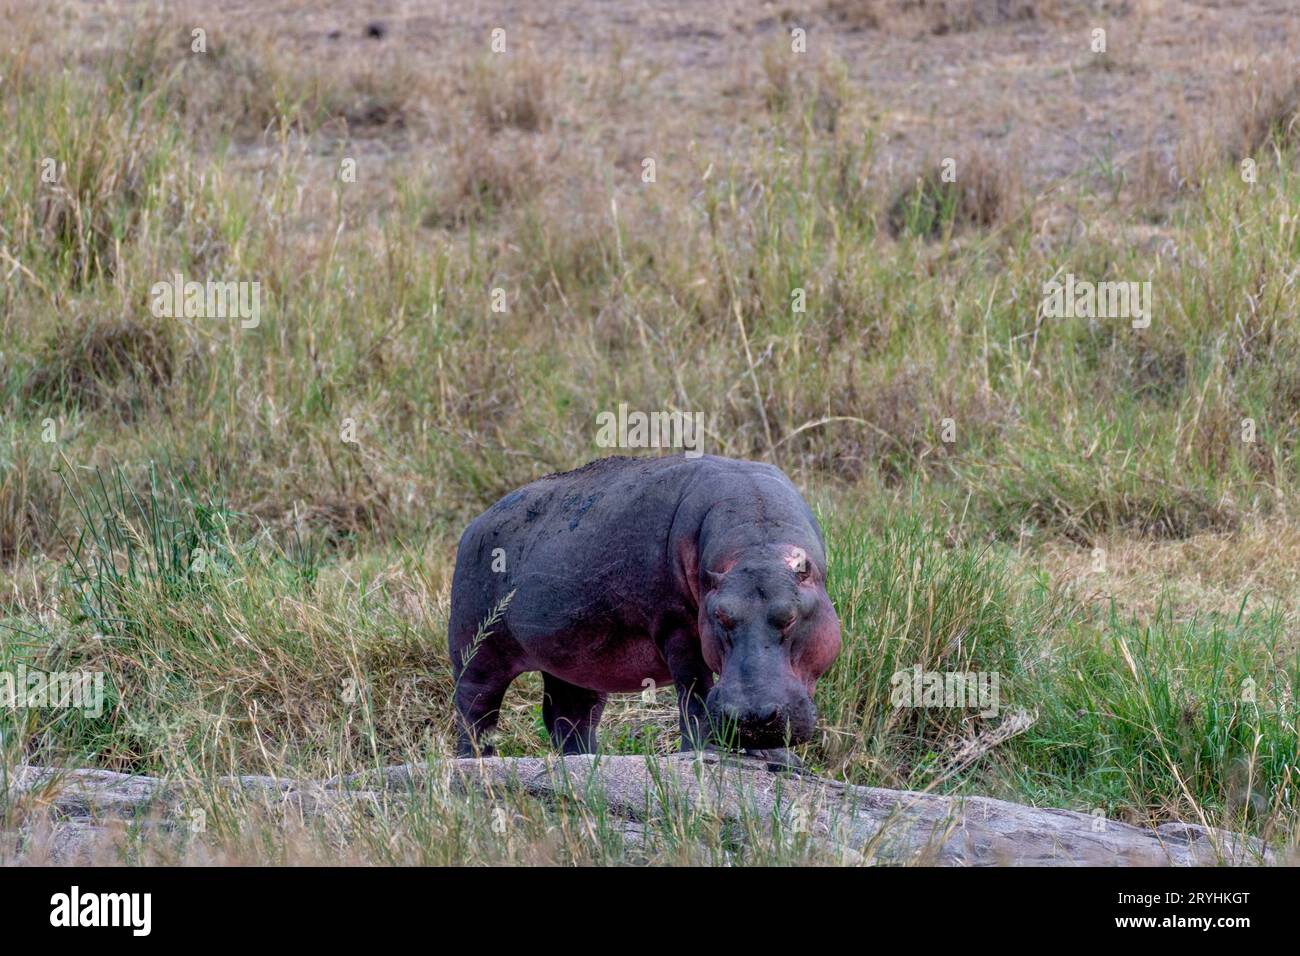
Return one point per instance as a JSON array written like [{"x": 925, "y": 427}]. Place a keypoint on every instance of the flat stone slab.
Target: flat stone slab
[{"x": 859, "y": 824}]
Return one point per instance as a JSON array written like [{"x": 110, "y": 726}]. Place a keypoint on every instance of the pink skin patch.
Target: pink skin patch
[
  {"x": 689, "y": 555},
  {"x": 823, "y": 643},
  {"x": 710, "y": 647}
]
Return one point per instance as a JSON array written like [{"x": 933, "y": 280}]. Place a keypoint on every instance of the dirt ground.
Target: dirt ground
[{"x": 1020, "y": 76}]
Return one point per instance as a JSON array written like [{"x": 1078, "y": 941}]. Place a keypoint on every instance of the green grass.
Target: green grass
[
  {"x": 225, "y": 654},
  {"x": 179, "y": 511}
]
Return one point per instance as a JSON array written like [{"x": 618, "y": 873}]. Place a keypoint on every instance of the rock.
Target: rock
[
  {"x": 857, "y": 824},
  {"x": 880, "y": 825}
]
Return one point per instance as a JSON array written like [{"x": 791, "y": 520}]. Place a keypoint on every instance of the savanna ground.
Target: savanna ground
[{"x": 179, "y": 509}]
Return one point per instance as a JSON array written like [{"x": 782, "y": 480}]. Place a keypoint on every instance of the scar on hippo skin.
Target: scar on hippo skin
[{"x": 635, "y": 569}]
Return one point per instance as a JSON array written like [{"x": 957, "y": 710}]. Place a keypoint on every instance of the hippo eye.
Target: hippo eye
[
  {"x": 725, "y": 619},
  {"x": 781, "y": 617}
]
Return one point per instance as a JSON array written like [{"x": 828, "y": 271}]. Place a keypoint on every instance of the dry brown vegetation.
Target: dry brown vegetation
[{"x": 985, "y": 193}]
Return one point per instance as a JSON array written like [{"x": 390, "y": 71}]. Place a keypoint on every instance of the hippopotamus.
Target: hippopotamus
[{"x": 707, "y": 572}]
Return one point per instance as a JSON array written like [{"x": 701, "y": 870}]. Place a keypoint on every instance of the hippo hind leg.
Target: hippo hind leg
[
  {"x": 479, "y": 706},
  {"x": 483, "y": 676},
  {"x": 571, "y": 715}
]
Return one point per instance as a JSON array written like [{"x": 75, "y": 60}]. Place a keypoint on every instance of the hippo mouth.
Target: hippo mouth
[
  {"x": 770, "y": 742},
  {"x": 765, "y": 728}
]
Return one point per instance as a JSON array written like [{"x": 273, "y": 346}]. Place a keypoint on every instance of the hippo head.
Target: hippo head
[{"x": 768, "y": 630}]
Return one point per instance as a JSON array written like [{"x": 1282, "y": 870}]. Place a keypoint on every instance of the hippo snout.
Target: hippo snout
[{"x": 763, "y": 721}]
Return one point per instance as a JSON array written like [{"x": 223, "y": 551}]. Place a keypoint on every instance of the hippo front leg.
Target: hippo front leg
[{"x": 693, "y": 680}]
